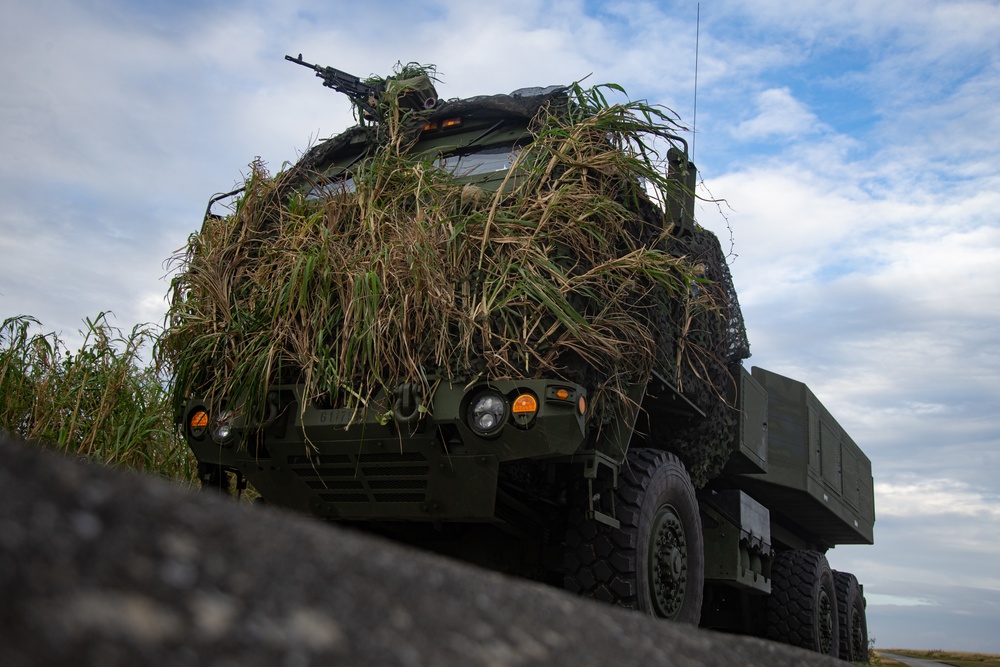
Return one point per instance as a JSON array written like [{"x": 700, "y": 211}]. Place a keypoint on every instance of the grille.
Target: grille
[
  {"x": 399, "y": 497},
  {"x": 344, "y": 497},
  {"x": 382, "y": 484},
  {"x": 365, "y": 478},
  {"x": 326, "y": 459},
  {"x": 335, "y": 485},
  {"x": 393, "y": 458}
]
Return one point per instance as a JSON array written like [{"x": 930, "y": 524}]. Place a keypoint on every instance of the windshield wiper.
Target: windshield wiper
[{"x": 485, "y": 133}]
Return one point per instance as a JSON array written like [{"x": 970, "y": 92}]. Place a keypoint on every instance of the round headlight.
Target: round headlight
[
  {"x": 487, "y": 412},
  {"x": 222, "y": 427}
]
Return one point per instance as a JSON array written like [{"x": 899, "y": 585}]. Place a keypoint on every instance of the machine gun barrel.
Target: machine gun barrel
[{"x": 363, "y": 94}]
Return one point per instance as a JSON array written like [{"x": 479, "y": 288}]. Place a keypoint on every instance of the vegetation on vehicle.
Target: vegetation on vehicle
[{"x": 410, "y": 276}]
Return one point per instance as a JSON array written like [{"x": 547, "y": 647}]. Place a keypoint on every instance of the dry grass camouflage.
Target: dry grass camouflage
[{"x": 568, "y": 269}]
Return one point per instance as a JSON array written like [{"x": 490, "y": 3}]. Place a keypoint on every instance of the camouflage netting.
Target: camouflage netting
[
  {"x": 566, "y": 271},
  {"x": 709, "y": 342}
]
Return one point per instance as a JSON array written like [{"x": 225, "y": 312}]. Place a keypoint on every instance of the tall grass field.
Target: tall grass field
[{"x": 106, "y": 402}]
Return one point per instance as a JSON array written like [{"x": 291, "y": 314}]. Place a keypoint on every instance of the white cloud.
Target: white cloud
[
  {"x": 779, "y": 115},
  {"x": 933, "y": 497},
  {"x": 879, "y": 599}
]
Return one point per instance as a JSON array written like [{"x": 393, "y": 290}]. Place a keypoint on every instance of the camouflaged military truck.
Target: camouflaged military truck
[{"x": 681, "y": 485}]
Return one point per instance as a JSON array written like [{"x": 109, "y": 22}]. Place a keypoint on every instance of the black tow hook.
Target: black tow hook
[{"x": 409, "y": 398}]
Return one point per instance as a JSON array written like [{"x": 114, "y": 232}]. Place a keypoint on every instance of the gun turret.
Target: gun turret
[
  {"x": 363, "y": 94},
  {"x": 414, "y": 93}
]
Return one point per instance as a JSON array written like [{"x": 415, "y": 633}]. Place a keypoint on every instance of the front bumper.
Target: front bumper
[{"x": 383, "y": 463}]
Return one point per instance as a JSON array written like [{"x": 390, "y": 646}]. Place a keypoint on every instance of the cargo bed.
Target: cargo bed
[{"x": 816, "y": 481}]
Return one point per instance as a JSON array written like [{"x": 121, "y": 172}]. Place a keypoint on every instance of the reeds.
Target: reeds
[
  {"x": 414, "y": 277},
  {"x": 104, "y": 403}
]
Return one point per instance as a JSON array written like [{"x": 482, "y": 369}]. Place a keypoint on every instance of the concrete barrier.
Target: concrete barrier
[{"x": 103, "y": 567}]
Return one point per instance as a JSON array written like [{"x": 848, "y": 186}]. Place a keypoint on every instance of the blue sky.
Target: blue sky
[{"x": 856, "y": 146}]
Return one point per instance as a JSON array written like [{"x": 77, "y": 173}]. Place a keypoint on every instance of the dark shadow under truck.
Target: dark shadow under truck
[{"x": 512, "y": 476}]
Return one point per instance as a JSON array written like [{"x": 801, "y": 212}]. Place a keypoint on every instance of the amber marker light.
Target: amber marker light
[
  {"x": 562, "y": 394},
  {"x": 525, "y": 404},
  {"x": 199, "y": 419},
  {"x": 450, "y": 123},
  {"x": 198, "y": 424},
  {"x": 523, "y": 409},
  {"x": 581, "y": 405}
]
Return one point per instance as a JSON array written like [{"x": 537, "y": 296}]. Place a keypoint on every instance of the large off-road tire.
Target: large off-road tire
[
  {"x": 852, "y": 618},
  {"x": 802, "y": 608},
  {"x": 655, "y": 561}
]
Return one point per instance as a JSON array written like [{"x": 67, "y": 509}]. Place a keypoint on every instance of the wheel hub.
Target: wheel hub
[
  {"x": 667, "y": 563},
  {"x": 826, "y": 637},
  {"x": 857, "y": 636}
]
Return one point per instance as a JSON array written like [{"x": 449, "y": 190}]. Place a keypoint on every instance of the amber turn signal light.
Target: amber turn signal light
[
  {"x": 199, "y": 419},
  {"x": 525, "y": 403}
]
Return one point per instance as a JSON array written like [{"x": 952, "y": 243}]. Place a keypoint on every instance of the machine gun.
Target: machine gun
[
  {"x": 413, "y": 93},
  {"x": 363, "y": 94}
]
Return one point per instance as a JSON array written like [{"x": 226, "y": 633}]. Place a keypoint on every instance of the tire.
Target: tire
[
  {"x": 802, "y": 607},
  {"x": 655, "y": 561},
  {"x": 852, "y": 618}
]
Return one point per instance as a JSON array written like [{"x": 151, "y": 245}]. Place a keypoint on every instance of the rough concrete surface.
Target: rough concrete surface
[{"x": 102, "y": 567}]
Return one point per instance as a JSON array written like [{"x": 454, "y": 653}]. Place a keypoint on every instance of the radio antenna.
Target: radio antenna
[{"x": 694, "y": 116}]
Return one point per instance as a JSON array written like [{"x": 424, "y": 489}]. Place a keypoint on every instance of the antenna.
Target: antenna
[{"x": 694, "y": 117}]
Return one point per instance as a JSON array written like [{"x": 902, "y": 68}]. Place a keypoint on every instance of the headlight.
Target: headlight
[
  {"x": 487, "y": 413},
  {"x": 222, "y": 427}
]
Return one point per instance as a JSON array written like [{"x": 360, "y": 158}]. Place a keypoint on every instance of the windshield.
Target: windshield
[
  {"x": 341, "y": 186},
  {"x": 491, "y": 160},
  {"x": 486, "y": 161}
]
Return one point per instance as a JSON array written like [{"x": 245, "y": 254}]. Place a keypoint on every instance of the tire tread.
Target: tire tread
[
  {"x": 792, "y": 616},
  {"x": 600, "y": 561}
]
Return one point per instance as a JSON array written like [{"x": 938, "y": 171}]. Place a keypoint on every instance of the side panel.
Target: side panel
[
  {"x": 818, "y": 481},
  {"x": 751, "y": 456},
  {"x": 737, "y": 536}
]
